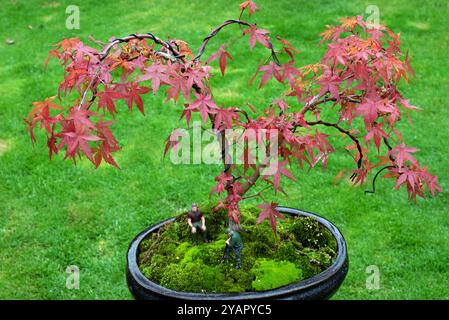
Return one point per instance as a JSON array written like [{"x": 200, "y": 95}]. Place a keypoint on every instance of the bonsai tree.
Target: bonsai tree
[{"x": 357, "y": 79}]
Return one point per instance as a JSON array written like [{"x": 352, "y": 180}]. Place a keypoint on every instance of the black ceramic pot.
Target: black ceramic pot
[{"x": 320, "y": 286}]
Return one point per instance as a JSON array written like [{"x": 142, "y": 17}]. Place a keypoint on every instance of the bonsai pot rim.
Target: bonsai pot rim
[{"x": 320, "y": 286}]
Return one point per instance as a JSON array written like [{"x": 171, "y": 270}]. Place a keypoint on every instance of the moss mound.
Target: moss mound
[
  {"x": 271, "y": 274},
  {"x": 302, "y": 249}
]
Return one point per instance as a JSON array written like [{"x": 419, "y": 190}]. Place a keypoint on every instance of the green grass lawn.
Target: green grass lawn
[{"x": 54, "y": 214}]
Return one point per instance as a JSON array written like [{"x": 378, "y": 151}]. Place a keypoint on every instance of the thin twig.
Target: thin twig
[
  {"x": 214, "y": 32},
  {"x": 104, "y": 53},
  {"x": 375, "y": 177},
  {"x": 346, "y": 132}
]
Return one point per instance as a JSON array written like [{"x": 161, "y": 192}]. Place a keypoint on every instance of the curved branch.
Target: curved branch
[
  {"x": 107, "y": 48},
  {"x": 214, "y": 32},
  {"x": 375, "y": 177},
  {"x": 243, "y": 112},
  {"x": 255, "y": 176},
  {"x": 311, "y": 103},
  {"x": 252, "y": 180},
  {"x": 314, "y": 102},
  {"x": 344, "y": 131},
  {"x": 103, "y": 54},
  {"x": 387, "y": 143}
]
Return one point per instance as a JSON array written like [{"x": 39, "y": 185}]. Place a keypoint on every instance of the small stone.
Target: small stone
[{"x": 9, "y": 41}]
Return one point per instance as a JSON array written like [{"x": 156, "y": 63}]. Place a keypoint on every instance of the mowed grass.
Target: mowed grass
[{"x": 54, "y": 214}]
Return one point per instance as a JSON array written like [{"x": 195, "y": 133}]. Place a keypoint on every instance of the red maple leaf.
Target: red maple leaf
[
  {"x": 82, "y": 117},
  {"x": 104, "y": 152},
  {"x": 409, "y": 177},
  {"x": 157, "y": 73},
  {"x": 105, "y": 132},
  {"x": 225, "y": 118},
  {"x": 204, "y": 104},
  {"x": 66, "y": 46},
  {"x": 281, "y": 170},
  {"x": 403, "y": 153},
  {"x": 270, "y": 70},
  {"x": 376, "y": 133},
  {"x": 83, "y": 51},
  {"x": 187, "y": 114},
  {"x": 296, "y": 91},
  {"x": 407, "y": 104},
  {"x": 360, "y": 175},
  {"x": 269, "y": 212},
  {"x": 196, "y": 75},
  {"x": 415, "y": 180},
  {"x": 40, "y": 106},
  {"x": 107, "y": 97},
  {"x": 330, "y": 83},
  {"x": 288, "y": 47},
  {"x": 76, "y": 138},
  {"x": 41, "y": 113},
  {"x": 259, "y": 35},
  {"x": 221, "y": 55},
  {"x": 336, "y": 53},
  {"x": 178, "y": 83},
  {"x": 431, "y": 181},
  {"x": 369, "y": 110},
  {"x": 223, "y": 179},
  {"x": 250, "y": 5},
  {"x": 173, "y": 140},
  {"x": 290, "y": 72},
  {"x": 133, "y": 95}
]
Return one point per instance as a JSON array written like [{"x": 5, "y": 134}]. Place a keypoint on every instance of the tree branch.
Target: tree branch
[
  {"x": 375, "y": 178},
  {"x": 103, "y": 54},
  {"x": 346, "y": 132},
  {"x": 214, "y": 32},
  {"x": 106, "y": 49},
  {"x": 314, "y": 102},
  {"x": 257, "y": 172}
]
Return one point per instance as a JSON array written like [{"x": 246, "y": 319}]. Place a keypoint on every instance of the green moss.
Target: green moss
[
  {"x": 182, "y": 248},
  {"x": 286, "y": 251},
  {"x": 193, "y": 254},
  {"x": 212, "y": 253},
  {"x": 301, "y": 249},
  {"x": 272, "y": 274},
  {"x": 194, "y": 276},
  {"x": 322, "y": 257},
  {"x": 311, "y": 233}
]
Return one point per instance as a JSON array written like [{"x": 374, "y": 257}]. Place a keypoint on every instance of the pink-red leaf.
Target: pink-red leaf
[
  {"x": 221, "y": 55},
  {"x": 269, "y": 212},
  {"x": 250, "y": 5},
  {"x": 259, "y": 35}
]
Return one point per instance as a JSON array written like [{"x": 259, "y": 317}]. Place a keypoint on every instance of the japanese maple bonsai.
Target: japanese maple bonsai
[{"x": 357, "y": 77}]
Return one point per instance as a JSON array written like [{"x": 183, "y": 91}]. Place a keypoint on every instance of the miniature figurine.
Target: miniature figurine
[
  {"x": 235, "y": 242},
  {"x": 197, "y": 223}
]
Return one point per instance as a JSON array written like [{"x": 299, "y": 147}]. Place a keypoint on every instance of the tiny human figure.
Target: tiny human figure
[
  {"x": 235, "y": 242},
  {"x": 197, "y": 223}
]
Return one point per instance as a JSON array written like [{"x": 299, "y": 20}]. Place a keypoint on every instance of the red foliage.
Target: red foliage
[
  {"x": 357, "y": 76},
  {"x": 258, "y": 35},
  {"x": 270, "y": 213},
  {"x": 221, "y": 55},
  {"x": 250, "y": 5}
]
